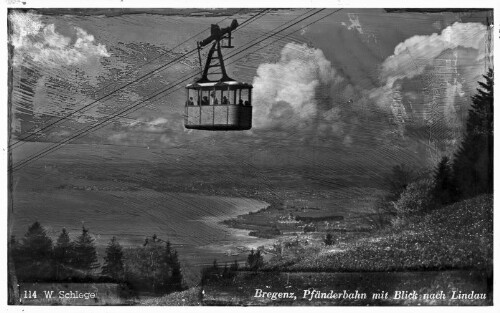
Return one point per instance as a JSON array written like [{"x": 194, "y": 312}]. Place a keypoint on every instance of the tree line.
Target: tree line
[
  {"x": 153, "y": 267},
  {"x": 468, "y": 173}
]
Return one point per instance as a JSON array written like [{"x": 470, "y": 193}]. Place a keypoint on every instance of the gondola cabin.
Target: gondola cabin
[
  {"x": 225, "y": 105},
  {"x": 218, "y": 104}
]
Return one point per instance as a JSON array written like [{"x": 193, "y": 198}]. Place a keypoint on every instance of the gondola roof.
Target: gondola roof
[{"x": 219, "y": 84}]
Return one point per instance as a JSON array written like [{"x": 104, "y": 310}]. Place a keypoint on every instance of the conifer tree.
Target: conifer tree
[
  {"x": 444, "y": 187},
  {"x": 175, "y": 279},
  {"x": 113, "y": 261},
  {"x": 329, "y": 239},
  {"x": 85, "y": 253},
  {"x": 63, "y": 255},
  {"x": 35, "y": 254},
  {"x": 152, "y": 265},
  {"x": 473, "y": 162},
  {"x": 234, "y": 266},
  {"x": 255, "y": 260}
]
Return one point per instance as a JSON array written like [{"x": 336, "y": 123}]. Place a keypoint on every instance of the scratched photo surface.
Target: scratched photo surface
[{"x": 283, "y": 157}]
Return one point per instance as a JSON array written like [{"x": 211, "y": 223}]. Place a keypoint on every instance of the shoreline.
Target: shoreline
[{"x": 242, "y": 242}]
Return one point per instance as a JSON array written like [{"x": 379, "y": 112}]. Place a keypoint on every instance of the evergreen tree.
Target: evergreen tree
[
  {"x": 166, "y": 266},
  {"x": 35, "y": 255},
  {"x": 113, "y": 261},
  {"x": 473, "y": 162},
  {"x": 152, "y": 264},
  {"x": 234, "y": 266},
  {"x": 173, "y": 273},
  {"x": 85, "y": 255},
  {"x": 255, "y": 260},
  {"x": 444, "y": 187},
  {"x": 225, "y": 271},
  {"x": 63, "y": 255},
  {"x": 233, "y": 269},
  {"x": 329, "y": 239},
  {"x": 175, "y": 279}
]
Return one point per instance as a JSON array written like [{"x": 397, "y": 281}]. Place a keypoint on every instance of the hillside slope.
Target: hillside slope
[{"x": 459, "y": 236}]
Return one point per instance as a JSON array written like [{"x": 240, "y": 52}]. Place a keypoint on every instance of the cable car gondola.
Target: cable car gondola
[{"x": 223, "y": 104}]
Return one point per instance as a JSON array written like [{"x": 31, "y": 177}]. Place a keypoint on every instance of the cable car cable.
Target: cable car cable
[
  {"x": 168, "y": 88},
  {"x": 128, "y": 73},
  {"x": 124, "y": 86},
  {"x": 60, "y": 118},
  {"x": 66, "y": 116},
  {"x": 135, "y": 107}
]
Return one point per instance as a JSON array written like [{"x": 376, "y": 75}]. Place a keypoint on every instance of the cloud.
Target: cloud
[
  {"x": 149, "y": 139},
  {"x": 424, "y": 81},
  {"x": 118, "y": 138},
  {"x": 355, "y": 24},
  {"x": 41, "y": 43},
  {"x": 286, "y": 91},
  {"x": 411, "y": 57},
  {"x": 158, "y": 125}
]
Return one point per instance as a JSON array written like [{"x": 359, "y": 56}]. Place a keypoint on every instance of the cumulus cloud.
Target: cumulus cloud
[
  {"x": 438, "y": 68},
  {"x": 411, "y": 57},
  {"x": 41, "y": 43},
  {"x": 286, "y": 91}
]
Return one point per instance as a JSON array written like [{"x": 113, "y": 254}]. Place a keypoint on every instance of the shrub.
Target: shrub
[
  {"x": 266, "y": 233},
  {"x": 309, "y": 228},
  {"x": 381, "y": 213},
  {"x": 329, "y": 240},
  {"x": 398, "y": 180},
  {"x": 416, "y": 199}
]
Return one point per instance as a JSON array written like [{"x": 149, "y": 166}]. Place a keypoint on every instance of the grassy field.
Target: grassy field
[
  {"x": 188, "y": 297},
  {"x": 241, "y": 290},
  {"x": 459, "y": 236},
  {"x": 437, "y": 256}
]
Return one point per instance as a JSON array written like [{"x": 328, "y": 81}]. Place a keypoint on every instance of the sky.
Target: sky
[{"x": 357, "y": 85}]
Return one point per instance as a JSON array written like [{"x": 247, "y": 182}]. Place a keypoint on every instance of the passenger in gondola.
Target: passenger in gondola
[
  {"x": 205, "y": 101},
  {"x": 190, "y": 101},
  {"x": 241, "y": 101},
  {"x": 224, "y": 100},
  {"x": 247, "y": 103},
  {"x": 214, "y": 98}
]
